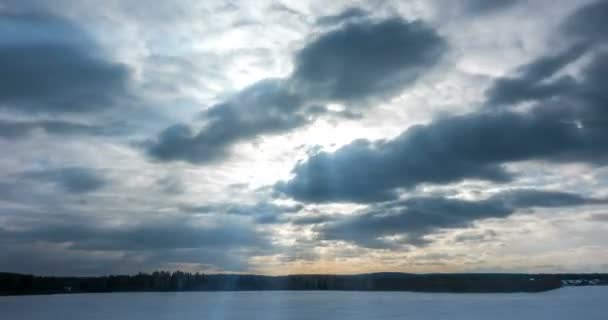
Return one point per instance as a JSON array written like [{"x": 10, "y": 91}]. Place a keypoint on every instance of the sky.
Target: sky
[{"x": 281, "y": 137}]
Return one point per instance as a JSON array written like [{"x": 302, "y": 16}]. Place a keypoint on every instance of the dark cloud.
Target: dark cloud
[
  {"x": 566, "y": 123},
  {"x": 589, "y": 22},
  {"x": 355, "y": 64},
  {"x": 263, "y": 108},
  {"x": 48, "y": 65},
  {"x": 311, "y": 219},
  {"x": 540, "y": 79},
  {"x": 58, "y": 261},
  {"x": 414, "y": 218},
  {"x": 476, "y": 237},
  {"x": 448, "y": 150},
  {"x": 140, "y": 247},
  {"x": 532, "y": 82},
  {"x": 179, "y": 233},
  {"x": 262, "y": 212},
  {"x": 71, "y": 179},
  {"x": 526, "y": 198},
  {"x": 19, "y": 129},
  {"x": 581, "y": 98},
  {"x": 366, "y": 60},
  {"x": 344, "y": 16},
  {"x": 152, "y": 237},
  {"x": 487, "y": 6}
]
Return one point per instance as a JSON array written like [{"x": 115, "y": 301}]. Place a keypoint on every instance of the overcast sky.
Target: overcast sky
[{"x": 277, "y": 136}]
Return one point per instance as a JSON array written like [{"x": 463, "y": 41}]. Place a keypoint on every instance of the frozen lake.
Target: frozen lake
[{"x": 586, "y": 303}]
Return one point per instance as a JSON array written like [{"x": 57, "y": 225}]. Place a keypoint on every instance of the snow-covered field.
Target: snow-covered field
[{"x": 584, "y": 303}]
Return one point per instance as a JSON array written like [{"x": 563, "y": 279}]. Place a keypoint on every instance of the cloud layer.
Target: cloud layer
[
  {"x": 50, "y": 66},
  {"x": 565, "y": 124},
  {"x": 356, "y": 64},
  {"x": 412, "y": 219},
  {"x": 303, "y": 137}
]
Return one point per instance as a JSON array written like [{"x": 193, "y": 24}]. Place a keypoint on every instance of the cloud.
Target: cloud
[
  {"x": 567, "y": 122},
  {"x": 540, "y": 79},
  {"x": 473, "y": 8},
  {"x": 153, "y": 237},
  {"x": 344, "y": 16},
  {"x": 59, "y": 261},
  {"x": 588, "y": 23},
  {"x": 532, "y": 82},
  {"x": 476, "y": 237},
  {"x": 355, "y": 64},
  {"x": 71, "y": 179},
  {"x": 19, "y": 129},
  {"x": 265, "y": 107},
  {"x": 526, "y": 198},
  {"x": 311, "y": 219},
  {"x": 262, "y": 212},
  {"x": 487, "y": 6},
  {"x": 145, "y": 245},
  {"x": 50, "y": 66},
  {"x": 365, "y": 61},
  {"x": 412, "y": 219},
  {"x": 448, "y": 150},
  {"x": 599, "y": 217}
]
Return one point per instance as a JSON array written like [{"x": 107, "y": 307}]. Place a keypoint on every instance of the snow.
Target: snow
[{"x": 568, "y": 303}]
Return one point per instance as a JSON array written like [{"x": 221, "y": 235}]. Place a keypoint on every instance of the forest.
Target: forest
[{"x": 164, "y": 281}]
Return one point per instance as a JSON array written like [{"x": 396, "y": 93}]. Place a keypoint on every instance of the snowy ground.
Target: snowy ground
[{"x": 587, "y": 303}]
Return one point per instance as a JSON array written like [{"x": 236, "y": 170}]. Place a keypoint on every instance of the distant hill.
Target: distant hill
[{"x": 20, "y": 284}]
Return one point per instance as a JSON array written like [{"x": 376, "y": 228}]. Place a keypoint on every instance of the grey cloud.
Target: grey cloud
[
  {"x": 263, "y": 108},
  {"x": 415, "y": 218},
  {"x": 355, "y": 64},
  {"x": 19, "y": 129},
  {"x": 263, "y": 207},
  {"x": 570, "y": 127},
  {"x": 526, "y": 198},
  {"x": 282, "y": 8},
  {"x": 344, "y": 16},
  {"x": 71, "y": 179},
  {"x": 171, "y": 185},
  {"x": 537, "y": 80},
  {"x": 487, "y": 6},
  {"x": 589, "y": 22},
  {"x": 448, "y": 150},
  {"x": 468, "y": 9},
  {"x": 178, "y": 234},
  {"x": 312, "y": 219},
  {"x": 53, "y": 260},
  {"x": 411, "y": 219},
  {"x": 476, "y": 237},
  {"x": 365, "y": 61},
  {"x": 532, "y": 83},
  {"x": 48, "y": 66},
  {"x": 151, "y": 237},
  {"x": 599, "y": 217},
  {"x": 262, "y": 212},
  {"x": 58, "y": 261},
  {"x": 132, "y": 248}
]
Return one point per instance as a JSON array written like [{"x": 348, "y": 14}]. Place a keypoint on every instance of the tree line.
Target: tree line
[{"x": 164, "y": 281}]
